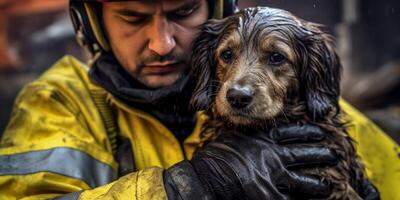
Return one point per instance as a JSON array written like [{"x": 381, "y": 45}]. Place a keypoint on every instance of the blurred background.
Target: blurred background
[{"x": 36, "y": 33}]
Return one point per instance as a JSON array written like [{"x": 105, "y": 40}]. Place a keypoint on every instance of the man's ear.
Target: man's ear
[
  {"x": 320, "y": 73},
  {"x": 203, "y": 63}
]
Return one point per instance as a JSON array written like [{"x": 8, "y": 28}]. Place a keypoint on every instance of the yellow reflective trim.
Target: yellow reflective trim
[
  {"x": 69, "y": 196},
  {"x": 90, "y": 149},
  {"x": 66, "y": 161},
  {"x": 19, "y": 186},
  {"x": 94, "y": 23}
]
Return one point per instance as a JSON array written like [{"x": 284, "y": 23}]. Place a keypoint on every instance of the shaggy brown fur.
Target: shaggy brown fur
[{"x": 264, "y": 67}]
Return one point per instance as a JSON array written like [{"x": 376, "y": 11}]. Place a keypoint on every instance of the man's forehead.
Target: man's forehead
[
  {"x": 144, "y": 1},
  {"x": 130, "y": 0},
  {"x": 148, "y": 5}
]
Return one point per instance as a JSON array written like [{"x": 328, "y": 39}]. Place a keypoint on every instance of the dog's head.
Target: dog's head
[{"x": 248, "y": 65}]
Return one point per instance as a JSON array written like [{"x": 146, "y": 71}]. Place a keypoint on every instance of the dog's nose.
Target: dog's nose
[{"x": 239, "y": 96}]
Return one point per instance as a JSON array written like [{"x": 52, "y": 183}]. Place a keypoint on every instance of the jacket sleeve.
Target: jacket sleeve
[
  {"x": 380, "y": 153},
  {"x": 51, "y": 149}
]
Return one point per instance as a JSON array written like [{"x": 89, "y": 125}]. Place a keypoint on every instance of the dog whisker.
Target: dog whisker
[{"x": 284, "y": 115}]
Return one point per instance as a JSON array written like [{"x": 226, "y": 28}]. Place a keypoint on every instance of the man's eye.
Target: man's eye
[
  {"x": 276, "y": 59},
  {"x": 184, "y": 12},
  {"x": 227, "y": 56},
  {"x": 135, "y": 20}
]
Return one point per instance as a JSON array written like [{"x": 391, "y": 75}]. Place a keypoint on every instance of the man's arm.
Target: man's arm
[{"x": 48, "y": 150}]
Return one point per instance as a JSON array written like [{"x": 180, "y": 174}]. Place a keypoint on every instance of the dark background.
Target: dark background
[{"x": 34, "y": 35}]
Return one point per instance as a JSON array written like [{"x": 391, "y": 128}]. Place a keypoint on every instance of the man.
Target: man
[{"x": 61, "y": 140}]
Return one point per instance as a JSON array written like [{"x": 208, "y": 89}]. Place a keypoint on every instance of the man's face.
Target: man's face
[{"x": 152, "y": 39}]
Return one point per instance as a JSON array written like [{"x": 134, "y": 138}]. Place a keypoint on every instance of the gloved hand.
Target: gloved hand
[
  {"x": 252, "y": 165},
  {"x": 368, "y": 191}
]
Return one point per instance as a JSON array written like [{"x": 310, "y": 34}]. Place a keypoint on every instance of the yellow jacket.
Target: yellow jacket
[{"x": 56, "y": 144}]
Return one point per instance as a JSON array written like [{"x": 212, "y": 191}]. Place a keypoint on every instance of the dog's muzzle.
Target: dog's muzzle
[{"x": 239, "y": 96}]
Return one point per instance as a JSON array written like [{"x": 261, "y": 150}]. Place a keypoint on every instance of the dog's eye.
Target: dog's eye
[
  {"x": 276, "y": 59},
  {"x": 227, "y": 56}
]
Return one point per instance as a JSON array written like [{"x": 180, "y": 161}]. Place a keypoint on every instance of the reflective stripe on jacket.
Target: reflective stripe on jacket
[{"x": 56, "y": 145}]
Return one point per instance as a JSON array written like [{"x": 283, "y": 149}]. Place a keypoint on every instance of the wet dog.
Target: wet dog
[{"x": 264, "y": 67}]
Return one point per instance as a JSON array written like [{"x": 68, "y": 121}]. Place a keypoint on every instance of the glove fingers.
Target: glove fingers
[
  {"x": 304, "y": 187},
  {"x": 369, "y": 191},
  {"x": 297, "y": 157},
  {"x": 296, "y": 134}
]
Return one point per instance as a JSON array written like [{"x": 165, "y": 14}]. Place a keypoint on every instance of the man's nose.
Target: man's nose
[{"x": 161, "y": 36}]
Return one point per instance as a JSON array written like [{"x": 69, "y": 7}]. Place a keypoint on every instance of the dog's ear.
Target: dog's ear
[
  {"x": 203, "y": 63},
  {"x": 320, "y": 73}
]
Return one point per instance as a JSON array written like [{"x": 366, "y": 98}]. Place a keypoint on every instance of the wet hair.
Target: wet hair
[{"x": 286, "y": 71}]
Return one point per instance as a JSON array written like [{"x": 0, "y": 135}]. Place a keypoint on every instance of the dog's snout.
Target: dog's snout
[{"x": 239, "y": 96}]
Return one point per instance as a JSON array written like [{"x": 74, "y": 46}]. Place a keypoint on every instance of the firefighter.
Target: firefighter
[{"x": 120, "y": 127}]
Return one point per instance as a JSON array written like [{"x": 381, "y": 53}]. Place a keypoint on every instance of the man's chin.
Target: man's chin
[{"x": 156, "y": 82}]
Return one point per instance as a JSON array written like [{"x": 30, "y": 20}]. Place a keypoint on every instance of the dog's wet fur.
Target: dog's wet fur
[{"x": 264, "y": 68}]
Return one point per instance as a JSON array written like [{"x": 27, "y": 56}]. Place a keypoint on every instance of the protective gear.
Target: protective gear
[
  {"x": 86, "y": 17},
  {"x": 169, "y": 104},
  {"x": 368, "y": 191},
  {"x": 383, "y": 151},
  {"x": 110, "y": 75},
  {"x": 252, "y": 165},
  {"x": 56, "y": 129}
]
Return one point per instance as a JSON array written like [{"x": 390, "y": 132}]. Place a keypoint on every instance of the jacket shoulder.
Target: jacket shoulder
[
  {"x": 65, "y": 83},
  {"x": 58, "y": 102},
  {"x": 66, "y": 70},
  {"x": 379, "y": 152}
]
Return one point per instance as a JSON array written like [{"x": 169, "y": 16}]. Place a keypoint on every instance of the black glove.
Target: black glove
[
  {"x": 252, "y": 166},
  {"x": 368, "y": 191}
]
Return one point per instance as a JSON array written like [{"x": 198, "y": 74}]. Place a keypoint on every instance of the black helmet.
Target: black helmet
[{"x": 90, "y": 33}]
